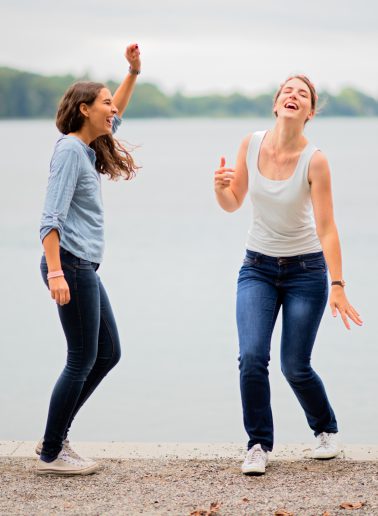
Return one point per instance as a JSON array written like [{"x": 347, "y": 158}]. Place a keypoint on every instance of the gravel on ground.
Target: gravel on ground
[{"x": 192, "y": 487}]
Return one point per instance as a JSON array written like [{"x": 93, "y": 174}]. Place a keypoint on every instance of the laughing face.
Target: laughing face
[
  {"x": 294, "y": 101},
  {"x": 100, "y": 113}
]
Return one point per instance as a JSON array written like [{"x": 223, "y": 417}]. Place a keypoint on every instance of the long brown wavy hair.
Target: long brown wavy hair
[{"x": 112, "y": 158}]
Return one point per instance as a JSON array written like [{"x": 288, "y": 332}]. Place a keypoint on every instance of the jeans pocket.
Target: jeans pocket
[
  {"x": 67, "y": 266},
  {"x": 318, "y": 265},
  {"x": 249, "y": 262},
  {"x": 84, "y": 265}
]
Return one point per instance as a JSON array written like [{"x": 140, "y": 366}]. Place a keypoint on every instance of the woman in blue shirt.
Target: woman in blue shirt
[{"x": 72, "y": 233}]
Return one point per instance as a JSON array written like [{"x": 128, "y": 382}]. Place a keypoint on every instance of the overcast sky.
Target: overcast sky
[{"x": 197, "y": 46}]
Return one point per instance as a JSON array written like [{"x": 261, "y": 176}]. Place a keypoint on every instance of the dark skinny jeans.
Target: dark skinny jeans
[{"x": 93, "y": 347}]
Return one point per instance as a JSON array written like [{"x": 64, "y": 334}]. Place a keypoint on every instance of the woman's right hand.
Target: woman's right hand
[
  {"x": 223, "y": 176},
  {"x": 59, "y": 290}
]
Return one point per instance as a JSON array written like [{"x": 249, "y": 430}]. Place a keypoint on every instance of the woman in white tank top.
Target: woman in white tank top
[{"x": 291, "y": 244}]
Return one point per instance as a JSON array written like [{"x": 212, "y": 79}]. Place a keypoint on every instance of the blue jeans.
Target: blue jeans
[
  {"x": 299, "y": 284},
  {"x": 93, "y": 347}
]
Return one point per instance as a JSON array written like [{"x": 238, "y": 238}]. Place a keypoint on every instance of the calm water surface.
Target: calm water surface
[{"x": 170, "y": 268}]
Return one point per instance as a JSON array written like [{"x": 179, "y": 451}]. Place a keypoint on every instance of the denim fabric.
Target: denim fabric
[
  {"x": 73, "y": 203},
  {"x": 93, "y": 347},
  {"x": 299, "y": 285}
]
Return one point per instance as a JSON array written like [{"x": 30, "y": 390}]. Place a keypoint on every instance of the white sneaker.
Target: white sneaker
[
  {"x": 67, "y": 448},
  {"x": 327, "y": 446},
  {"x": 255, "y": 461},
  {"x": 64, "y": 464}
]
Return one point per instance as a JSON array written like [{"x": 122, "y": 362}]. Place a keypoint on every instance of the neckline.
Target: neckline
[
  {"x": 91, "y": 153},
  {"x": 78, "y": 139},
  {"x": 295, "y": 168}
]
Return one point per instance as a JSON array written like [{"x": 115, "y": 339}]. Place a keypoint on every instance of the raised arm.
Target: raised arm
[
  {"x": 231, "y": 184},
  {"x": 321, "y": 195},
  {"x": 123, "y": 93}
]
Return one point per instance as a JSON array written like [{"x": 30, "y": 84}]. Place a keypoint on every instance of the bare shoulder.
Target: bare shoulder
[
  {"x": 319, "y": 167},
  {"x": 243, "y": 149},
  {"x": 246, "y": 140}
]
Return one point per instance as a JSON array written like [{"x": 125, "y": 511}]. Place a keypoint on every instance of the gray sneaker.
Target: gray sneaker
[
  {"x": 255, "y": 461},
  {"x": 67, "y": 448},
  {"x": 64, "y": 464}
]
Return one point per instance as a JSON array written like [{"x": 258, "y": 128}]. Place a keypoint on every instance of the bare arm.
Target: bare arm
[
  {"x": 231, "y": 184},
  {"x": 59, "y": 289},
  {"x": 321, "y": 195},
  {"x": 125, "y": 90}
]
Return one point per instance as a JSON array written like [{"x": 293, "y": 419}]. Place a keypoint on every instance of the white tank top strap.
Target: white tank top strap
[
  {"x": 253, "y": 152},
  {"x": 304, "y": 162}
]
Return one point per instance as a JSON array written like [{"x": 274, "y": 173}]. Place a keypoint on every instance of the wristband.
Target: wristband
[
  {"x": 340, "y": 283},
  {"x": 133, "y": 71},
  {"x": 55, "y": 274}
]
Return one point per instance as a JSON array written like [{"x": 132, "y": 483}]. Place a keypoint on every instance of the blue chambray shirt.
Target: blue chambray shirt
[{"x": 73, "y": 204}]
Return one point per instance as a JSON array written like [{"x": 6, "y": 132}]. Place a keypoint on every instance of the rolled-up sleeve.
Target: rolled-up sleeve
[
  {"x": 64, "y": 173},
  {"x": 117, "y": 121}
]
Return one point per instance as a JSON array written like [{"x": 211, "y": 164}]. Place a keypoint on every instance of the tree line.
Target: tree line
[{"x": 29, "y": 95}]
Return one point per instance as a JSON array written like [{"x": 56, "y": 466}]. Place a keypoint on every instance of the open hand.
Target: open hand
[
  {"x": 339, "y": 303},
  {"x": 132, "y": 55}
]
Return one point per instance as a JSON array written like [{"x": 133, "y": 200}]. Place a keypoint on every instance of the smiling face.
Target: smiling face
[
  {"x": 100, "y": 114},
  {"x": 295, "y": 101}
]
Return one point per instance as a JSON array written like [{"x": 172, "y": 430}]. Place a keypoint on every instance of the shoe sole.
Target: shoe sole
[
  {"x": 326, "y": 457},
  {"x": 253, "y": 473},
  {"x": 68, "y": 473}
]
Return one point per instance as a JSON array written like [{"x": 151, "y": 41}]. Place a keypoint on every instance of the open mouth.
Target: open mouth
[
  {"x": 291, "y": 105},
  {"x": 109, "y": 121}
]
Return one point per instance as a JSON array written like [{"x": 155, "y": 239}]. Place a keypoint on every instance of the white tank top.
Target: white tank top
[{"x": 283, "y": 221}]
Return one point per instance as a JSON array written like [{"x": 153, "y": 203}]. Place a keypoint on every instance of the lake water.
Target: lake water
[{"x": 171, "y": 264}]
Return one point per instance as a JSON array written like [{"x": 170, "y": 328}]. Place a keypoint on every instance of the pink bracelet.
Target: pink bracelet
[{"x": 55, "y": 274}]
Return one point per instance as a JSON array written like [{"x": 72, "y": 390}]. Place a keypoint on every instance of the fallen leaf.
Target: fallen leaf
[
  {"x": 326, "y": 513},
  {"x": 350, "y": 506},
  {"x": 214, "y": 507},
  {"x": 245, "y": 499},
  {"x": 282, "y": 512}
]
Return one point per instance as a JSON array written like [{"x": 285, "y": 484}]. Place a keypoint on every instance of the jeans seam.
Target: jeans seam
[
  {"x": 111, "y": 336},
  {"x": 79, "y": 312}
]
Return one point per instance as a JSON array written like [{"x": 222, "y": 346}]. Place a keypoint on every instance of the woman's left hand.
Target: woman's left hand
[
  {"x": 132, "y": 55},
  {"x": 339, "y": 303}
]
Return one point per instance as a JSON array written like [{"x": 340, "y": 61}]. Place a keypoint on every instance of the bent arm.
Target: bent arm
[
  {"x": 231, "y": 189},
  {"x": 122, "y": 96}
]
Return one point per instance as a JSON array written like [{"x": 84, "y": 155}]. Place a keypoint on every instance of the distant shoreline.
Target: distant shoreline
[{"x": 27, "y": 95}]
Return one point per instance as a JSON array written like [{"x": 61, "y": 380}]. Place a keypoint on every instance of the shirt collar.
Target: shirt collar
[{"x": 90, "y": 152}]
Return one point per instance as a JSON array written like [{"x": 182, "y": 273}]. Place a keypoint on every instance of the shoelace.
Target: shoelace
[
  {"x": 255, "y": 455},
  {"x": 71, "y": 460},
  {"x": 324, "y": 440},
  {"x": 71, "y": 452}
]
